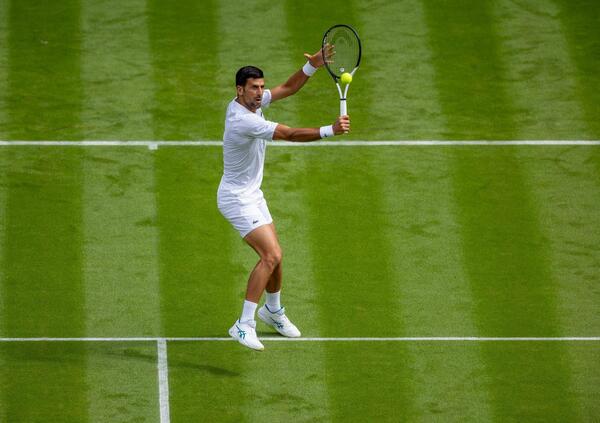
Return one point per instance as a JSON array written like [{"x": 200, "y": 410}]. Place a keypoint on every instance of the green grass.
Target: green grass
[
  {"x": 378, "y": 241},
  {"x": 338, "y": 283}
]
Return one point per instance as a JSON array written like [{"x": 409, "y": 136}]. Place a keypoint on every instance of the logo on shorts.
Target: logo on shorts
[{"x": 255, "y": 222}]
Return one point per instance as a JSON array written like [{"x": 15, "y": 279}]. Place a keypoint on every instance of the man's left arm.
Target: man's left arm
[{"x": 298, "y": 79}]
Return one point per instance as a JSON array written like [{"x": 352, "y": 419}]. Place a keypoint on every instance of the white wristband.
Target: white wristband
[
  {"x": 326, "y": 131},
  {"x": 308, "y": 69}
]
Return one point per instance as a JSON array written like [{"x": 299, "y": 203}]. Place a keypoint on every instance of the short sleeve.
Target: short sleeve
[
  {"x": 266, "y": 99},
  {"x": 256, "y": 127}
]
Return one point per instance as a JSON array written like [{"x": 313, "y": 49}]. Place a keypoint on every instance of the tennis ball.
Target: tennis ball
[{"x": 346, "y": 78}]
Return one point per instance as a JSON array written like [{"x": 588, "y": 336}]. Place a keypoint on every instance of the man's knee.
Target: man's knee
[{"x": 272, "y": 258}]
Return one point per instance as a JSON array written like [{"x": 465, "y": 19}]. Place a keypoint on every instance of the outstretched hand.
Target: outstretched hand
[
  {"x": 341, "y": 125},
  {"x": 317, "y": 59}
]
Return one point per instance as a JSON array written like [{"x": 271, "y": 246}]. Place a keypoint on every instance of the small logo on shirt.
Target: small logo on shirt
[{"x": 255, "y": 222}]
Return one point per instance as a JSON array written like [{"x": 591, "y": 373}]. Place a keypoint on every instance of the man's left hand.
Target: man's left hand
[{"x": 317, "y": 59}]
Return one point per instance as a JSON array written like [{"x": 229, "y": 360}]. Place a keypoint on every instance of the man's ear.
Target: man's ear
[{"x": 240, "y": 90}]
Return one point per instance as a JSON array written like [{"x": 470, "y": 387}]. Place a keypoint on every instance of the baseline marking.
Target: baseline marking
[
  {"x": 162, "y": 348},
  {"x": 153, "y": 145},
  {"x": 163, "y": 380}
]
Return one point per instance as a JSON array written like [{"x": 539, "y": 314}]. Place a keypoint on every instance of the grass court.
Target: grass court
[{"x": 380, "y": 241}]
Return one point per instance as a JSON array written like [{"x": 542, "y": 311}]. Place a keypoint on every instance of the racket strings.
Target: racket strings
[{"x": 346, "y": 50}]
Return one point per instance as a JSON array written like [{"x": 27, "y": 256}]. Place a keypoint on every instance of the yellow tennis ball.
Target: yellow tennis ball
[{"x": 346, "y": 78}]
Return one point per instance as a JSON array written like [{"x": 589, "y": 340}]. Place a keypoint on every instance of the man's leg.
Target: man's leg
[
  {"x": 268, "y": 271},
  {"x": 274, "y": 284},
  {"x": 264, "y": 241},
  {"x": 273, "y": 287},
  {"x": 271, "y": 313}
]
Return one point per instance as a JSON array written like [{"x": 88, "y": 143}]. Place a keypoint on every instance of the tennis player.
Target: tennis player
[{"x": 240, "y": 198}]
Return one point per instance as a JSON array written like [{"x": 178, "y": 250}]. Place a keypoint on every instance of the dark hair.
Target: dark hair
[{"x": 246, "y": 73}]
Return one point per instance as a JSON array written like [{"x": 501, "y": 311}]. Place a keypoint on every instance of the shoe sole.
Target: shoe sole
[{"x": 274, "y": 326}]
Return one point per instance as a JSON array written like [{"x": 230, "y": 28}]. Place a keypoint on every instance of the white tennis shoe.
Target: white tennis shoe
[
  {"x": 245, "y": 334},
  {"x": 279, "y": 321}
]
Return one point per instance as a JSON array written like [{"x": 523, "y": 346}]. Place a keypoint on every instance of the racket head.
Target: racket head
[{"x": 347, "y": 50}]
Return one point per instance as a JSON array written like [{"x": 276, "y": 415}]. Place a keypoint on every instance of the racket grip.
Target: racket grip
[{"x": 343, "y": 109}]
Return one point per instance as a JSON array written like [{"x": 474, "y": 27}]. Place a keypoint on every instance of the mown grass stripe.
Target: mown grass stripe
[
  {"x": 119, "y": 203},
  {"x": 121, "y": 243},
  {"x": 568, "y": 190},
  {"x": 3, "y": 69},
  {"x": 196, "y": 271},
  {"x": 121, "y": 278},
  {"x": 38, "y": 54},
  {"x": 545, "y": 82},
  {"x": 186, "y": 191},
  {"x": 580, "y": 27},
  {"x": 116, "y": 71},
  {"x": 4, "y": 168},
  {"x": 401, "y": 70},
  {"x": 287, "y": 203},
  {"x": 42, "y": 283},
  {"x": 469, "y": 86},
  {"x": 418, "y": 190},
  {"x": 566, "y": 187},
  {"x": 333, "y": 222},
  {"x": 184, "y": 43},
  {"x": 124, "y": 375},
  {"x": 432, "y": 283},
  {"x": 120, "y": 235},
  {"x": 198, "y": 276},
  {"x": 540, "y": 72},
  {"x": 200, "y": 282},
  {"x": 338, "y": 228},
  {"x": 503, "y": 250},
  {"x": 4, "y": 165},
  {"x": 3, "y": 172},
  {"x": 507, "y": 264}
]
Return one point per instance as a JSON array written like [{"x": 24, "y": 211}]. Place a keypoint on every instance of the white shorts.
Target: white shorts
[{"x": 245, "y": 218}]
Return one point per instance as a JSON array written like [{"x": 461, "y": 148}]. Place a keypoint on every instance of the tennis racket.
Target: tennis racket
[{"x": 344, "y": 58}]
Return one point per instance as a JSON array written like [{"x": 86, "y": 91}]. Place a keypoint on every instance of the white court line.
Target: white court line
[
  {"x": 153, "y": 145},
  {"x": 323, "y": 339},
  {"x": 163, "y": 380}
]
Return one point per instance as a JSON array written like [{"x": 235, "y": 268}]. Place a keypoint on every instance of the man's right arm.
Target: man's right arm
[{"x": 340, "y": 126}]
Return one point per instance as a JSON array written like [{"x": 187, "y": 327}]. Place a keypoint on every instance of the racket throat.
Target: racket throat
[{"x": 343, "y": 108}]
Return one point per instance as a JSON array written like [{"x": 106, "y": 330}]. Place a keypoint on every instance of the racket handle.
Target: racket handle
[{"x": 343, "y": 110}]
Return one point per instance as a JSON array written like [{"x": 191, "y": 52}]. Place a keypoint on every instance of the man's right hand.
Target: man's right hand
[{"x": 342, "y": 125}]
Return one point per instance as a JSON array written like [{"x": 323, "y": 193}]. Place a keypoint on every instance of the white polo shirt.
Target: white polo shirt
[{"x": 244, "y": 144}]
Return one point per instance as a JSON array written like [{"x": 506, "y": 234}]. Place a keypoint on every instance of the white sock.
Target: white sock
[
  {"x": 273, "y": 303},
  {"x": 248, "y": 311}
]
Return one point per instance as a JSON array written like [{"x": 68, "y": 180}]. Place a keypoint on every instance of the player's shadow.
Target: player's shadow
[{"x": 131, "y": 354}]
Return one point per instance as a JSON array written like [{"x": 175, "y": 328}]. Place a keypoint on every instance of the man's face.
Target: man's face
[{"x": 251, "y": 94}]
